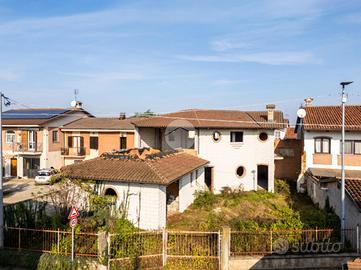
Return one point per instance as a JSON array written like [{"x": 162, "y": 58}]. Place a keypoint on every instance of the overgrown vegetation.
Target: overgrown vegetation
[
  {"x": 284, "y": 209},
  {"x": 48, "y": 261},
  {"x": 22, "y": 260}
]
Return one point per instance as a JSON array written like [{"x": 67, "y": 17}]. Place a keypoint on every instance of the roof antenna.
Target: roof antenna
[{"x": 76, "y": 93}]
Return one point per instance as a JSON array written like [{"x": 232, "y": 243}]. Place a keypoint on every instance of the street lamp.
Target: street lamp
[{"x": 343, "y": 101}]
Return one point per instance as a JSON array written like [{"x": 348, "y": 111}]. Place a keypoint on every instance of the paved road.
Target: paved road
[{"x": 18, "y": 190}]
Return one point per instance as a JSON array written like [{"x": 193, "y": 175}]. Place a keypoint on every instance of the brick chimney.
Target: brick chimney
[
  {"x": 122, "y": 116},
  {"x": 308, "y": 102},
  {"x": 270, "y": 112}
]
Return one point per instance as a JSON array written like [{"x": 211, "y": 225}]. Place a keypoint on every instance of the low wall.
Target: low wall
[{"x": 319, "y": 261}]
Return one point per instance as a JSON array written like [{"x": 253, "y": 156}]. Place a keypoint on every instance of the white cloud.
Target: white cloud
[{"x": 268, "y": 58}]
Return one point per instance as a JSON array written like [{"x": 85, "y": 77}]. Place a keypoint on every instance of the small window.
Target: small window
[
  {"x": 10, "y": 136},
  {"x": 94, "y": 143},
  {"x": 263, "y": 136},
  {"x": 236, "y": 136},
  {"x": 55, "y": 136},
  {"x": 216, "y": 136},
  {"x": 171, "y": 137},
  {"x": 240, "y": 171},
  {"x": 357, "y": 147},
  {"x": 348, "y": 147},
  {"x": 322, "y": 145},
  {"x": 123, "y": 143}
]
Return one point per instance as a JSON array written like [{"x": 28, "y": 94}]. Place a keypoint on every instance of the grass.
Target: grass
[{"x": 284, "y": 209}]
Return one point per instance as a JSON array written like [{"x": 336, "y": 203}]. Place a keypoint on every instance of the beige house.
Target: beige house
[
  {"x": 32, "y": 139},
  {"x": 88, "y": 138}
]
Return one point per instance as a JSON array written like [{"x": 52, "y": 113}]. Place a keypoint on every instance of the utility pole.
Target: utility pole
[
  {"x": 6, "y": 101},
  {"x": 343, "y": 101}
]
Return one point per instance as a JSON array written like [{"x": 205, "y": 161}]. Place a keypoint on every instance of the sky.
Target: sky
[{"x": 130, "y": 56}]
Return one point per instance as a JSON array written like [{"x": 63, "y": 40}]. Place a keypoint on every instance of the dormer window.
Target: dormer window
[{"x": 322, "y": 145}]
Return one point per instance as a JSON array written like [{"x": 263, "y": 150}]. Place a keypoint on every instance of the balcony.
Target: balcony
[
  {"x": 73, "y": 151},
  {"x": 30, "y": 147}
]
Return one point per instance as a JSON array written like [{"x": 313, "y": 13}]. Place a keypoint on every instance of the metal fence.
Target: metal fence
[
  {"x": 191, "y": 250},
  {"x": 264, "y": 242},
  {"x": 50, "y": 241}
]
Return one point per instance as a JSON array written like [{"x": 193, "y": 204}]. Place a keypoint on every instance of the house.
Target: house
[
  {"x": 238, "y": 144},
  {"x": 150, "y": 183},
  {"x": 32, "y": 138},
  {"x": 88, "y": 138},
  {"x": 320, "y": 132},
  {"x": 288, "y": 150}
]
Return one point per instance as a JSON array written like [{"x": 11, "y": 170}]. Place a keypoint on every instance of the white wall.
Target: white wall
[
  {"x": 226, "y": 157},
  {"x": 187, "y": 188},
  {"x": 309, "y": 147},
  {"x": 147, "y": 203}
]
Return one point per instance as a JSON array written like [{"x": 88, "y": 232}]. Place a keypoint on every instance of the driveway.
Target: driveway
[{"x": 18, "y": 190}]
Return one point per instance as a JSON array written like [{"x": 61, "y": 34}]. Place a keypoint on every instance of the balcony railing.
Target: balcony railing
[
  {"x": 73, "y": 151},
  {"x": 28, "y": 147}
]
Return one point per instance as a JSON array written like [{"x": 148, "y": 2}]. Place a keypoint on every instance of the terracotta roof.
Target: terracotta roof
[
  {"x": 290, "y": 134},
  {"x": 352, "y": 181},
  {"x": 353, "y": 188},
  {"x": 329, "y": 117},
  {"x": 101, "y": 123},
  {"x": 159, "y": 168},
  {"x": 214, "y": 119}
]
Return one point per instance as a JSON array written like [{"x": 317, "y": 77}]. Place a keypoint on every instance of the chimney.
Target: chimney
[
  {"x": 271, "y": 112},
  {"x": 308, "y": 102},
  {"x": 122, "y": 116},
  {"x": 79, "y": 105}
]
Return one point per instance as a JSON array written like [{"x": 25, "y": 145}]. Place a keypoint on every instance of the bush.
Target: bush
[
  {"x": 56, "y": 262},
  {"x": 205, "y": 199},
  {"x": 15, "y": 259}
]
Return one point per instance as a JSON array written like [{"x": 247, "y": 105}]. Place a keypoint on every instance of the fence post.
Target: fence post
[
  {"x": 358, "y": 239},
  {"x": 165, "y": 246},
  {"x": 226, "y": 246},
  {"x": 271, "y": 241},
  {"x": 19, "y": 238},
  {"x": 102, "y": 246},
  {"x": 58, "y": 244},
  {"x": 109, "y": 251}
]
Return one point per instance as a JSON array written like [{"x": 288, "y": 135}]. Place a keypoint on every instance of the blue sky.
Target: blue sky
[{"x": 170, "y": 55}]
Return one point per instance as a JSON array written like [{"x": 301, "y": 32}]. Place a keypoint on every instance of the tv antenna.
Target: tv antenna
[{"x": 76, "y": 93}]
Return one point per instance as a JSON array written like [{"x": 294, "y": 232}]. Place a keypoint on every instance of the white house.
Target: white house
[
  {"x": 147, "y": 184},
  {"x": 32, "y": 138},
  {"x": 238, "y": 144},
  {"x": 320, "y": 131}
]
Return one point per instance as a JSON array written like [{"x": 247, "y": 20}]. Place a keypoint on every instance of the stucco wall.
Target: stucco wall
[
  {"x": 147, "y": 203},
  {"x": 226, "y": 157},
  {"x": 309, "y": 148},
  {"x": 187, "y": 188}
]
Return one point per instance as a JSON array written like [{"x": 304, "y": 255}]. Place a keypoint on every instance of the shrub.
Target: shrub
[
  {"x": 56, "y": 262},
  {"x": 205, "y": 199},
  {"x": 15, "y": 259}
]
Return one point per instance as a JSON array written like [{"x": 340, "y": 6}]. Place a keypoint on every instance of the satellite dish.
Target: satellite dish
[
  {"x": 301, "y": 113},
  {"x": 73, "y": 103}
]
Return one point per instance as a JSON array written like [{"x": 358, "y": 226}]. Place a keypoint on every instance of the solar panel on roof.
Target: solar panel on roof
[{"x": 33, "y": 114}]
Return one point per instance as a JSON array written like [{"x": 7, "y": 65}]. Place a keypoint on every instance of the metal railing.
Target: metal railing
[
  {"x": 50, "y": 241},
  {"x": 264, "y": 242},
  {"x": 73, "y": 151},
  {"x": 194, "y": 250}
]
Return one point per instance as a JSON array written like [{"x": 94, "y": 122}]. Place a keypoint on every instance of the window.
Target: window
[
  {"x": 123, "y": 142},
  {"x": 171, "y": 137},
  {"x": 55, "y": 136},
  {"x": 216, "y": 136},
  {"x": 322, "y": 145},
  {"x": 351, "y": 147},
  {"x": 236, "y": 136},
  {"x": 10, "y": 136},
  {"x": 240, "y": 171},
  {"x": 192, "y": 178},
  {"x": 31, "y": 140},
  {"x": 94, "y": 143},
  {"x": 263, "y": 136}
]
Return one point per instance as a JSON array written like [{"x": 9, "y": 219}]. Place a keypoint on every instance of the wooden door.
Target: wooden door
[{"x": 14, "y": 167}]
